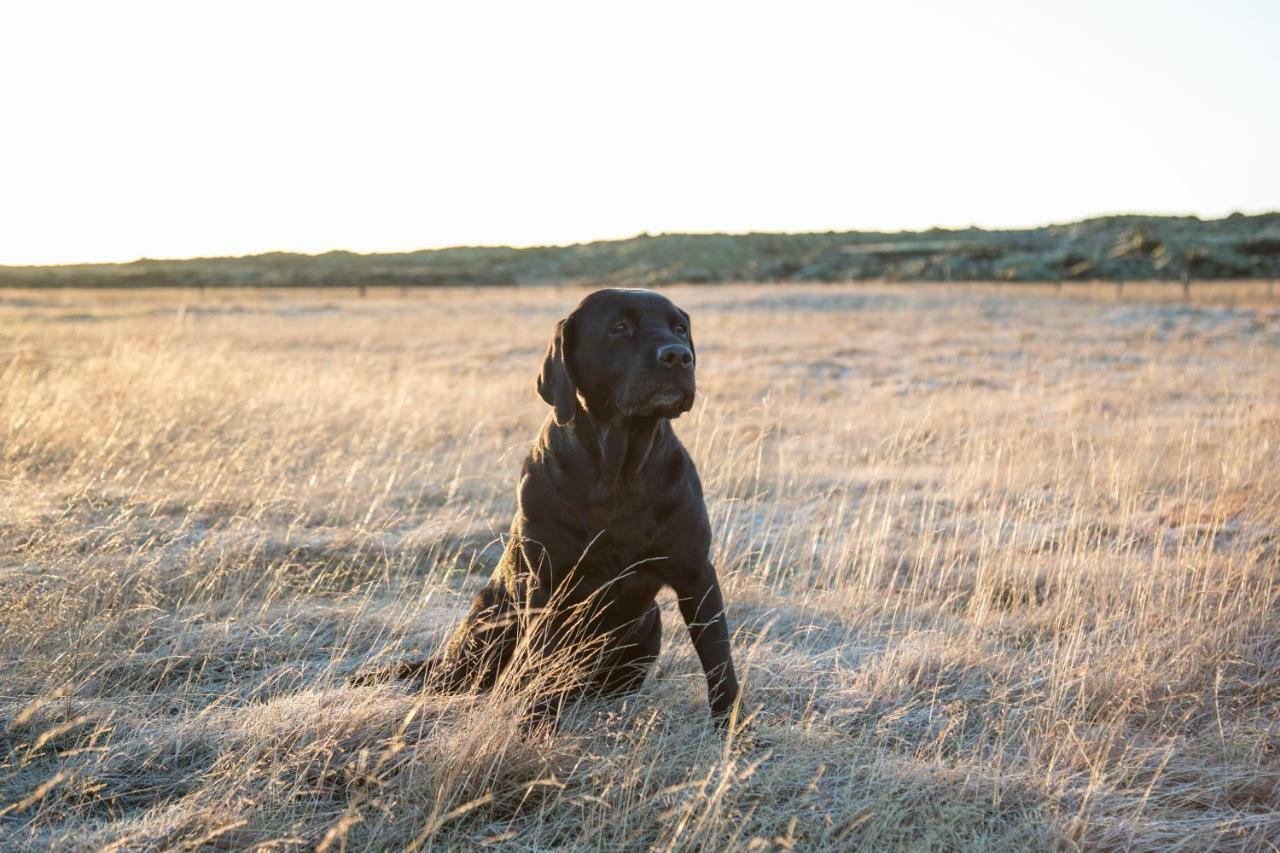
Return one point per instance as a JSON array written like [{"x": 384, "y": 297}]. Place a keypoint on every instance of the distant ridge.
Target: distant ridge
[{"x": 1127, "y": 247}]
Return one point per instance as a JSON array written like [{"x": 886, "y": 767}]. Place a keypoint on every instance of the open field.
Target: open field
[{"x": 1003, "y": 568}]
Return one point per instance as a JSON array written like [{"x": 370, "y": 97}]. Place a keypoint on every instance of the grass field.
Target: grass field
[{"x": 1003, "y": 568}]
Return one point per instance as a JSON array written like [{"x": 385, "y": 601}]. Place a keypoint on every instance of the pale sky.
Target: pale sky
[{"x": 174, "y": 129}]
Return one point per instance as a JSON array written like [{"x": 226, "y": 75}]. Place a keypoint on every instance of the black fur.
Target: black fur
[{"x": 610, "y": 511}]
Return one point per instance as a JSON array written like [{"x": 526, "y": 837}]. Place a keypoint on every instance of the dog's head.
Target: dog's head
[{"x": 626, "y": 352}]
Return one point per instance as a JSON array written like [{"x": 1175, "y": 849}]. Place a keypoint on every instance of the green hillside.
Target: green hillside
[{"x": 1111, "y": 247}]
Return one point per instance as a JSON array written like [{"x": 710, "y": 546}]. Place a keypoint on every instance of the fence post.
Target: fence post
[
  {"x": 1119, "y": 288},
  {"x": 1186, "y": 283}
]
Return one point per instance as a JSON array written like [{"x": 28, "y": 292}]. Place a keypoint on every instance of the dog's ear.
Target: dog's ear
[{"x": 556, "y": 383}]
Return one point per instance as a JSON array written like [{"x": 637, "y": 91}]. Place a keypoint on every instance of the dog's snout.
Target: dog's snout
[{"x": 676, "y": 356}]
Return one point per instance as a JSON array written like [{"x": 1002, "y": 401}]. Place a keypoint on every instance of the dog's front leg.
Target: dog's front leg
[{"x": 702, "y": 607}]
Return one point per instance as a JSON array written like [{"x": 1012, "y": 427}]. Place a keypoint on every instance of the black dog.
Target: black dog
[{"x": 610, "y": 511}]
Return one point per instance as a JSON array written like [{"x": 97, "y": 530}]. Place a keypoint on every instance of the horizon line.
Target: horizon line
[{"x": 643, "y": 234}]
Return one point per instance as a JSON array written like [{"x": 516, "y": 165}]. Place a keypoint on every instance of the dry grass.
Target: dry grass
[{"x": 1004, "y": 570}]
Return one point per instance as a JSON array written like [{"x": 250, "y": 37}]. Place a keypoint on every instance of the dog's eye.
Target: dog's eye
[
  {"x": 620, "y": 328},
  {"x": 681, "y": 330}
]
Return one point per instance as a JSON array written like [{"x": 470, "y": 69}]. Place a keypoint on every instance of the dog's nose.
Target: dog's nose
[{"x": 677, "y": 356}]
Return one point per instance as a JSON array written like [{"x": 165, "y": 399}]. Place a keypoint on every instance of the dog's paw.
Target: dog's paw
[{"x": 752, "y": 739}]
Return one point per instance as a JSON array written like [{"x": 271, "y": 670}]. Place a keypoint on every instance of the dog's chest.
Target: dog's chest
[
  {"x": 616, "y": 546},
  {"x": 627, "y": 569},
  {"x": 628, "y": 531}
]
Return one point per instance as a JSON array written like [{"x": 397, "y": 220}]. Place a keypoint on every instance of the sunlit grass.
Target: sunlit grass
[{"x": 1003, "y": 565}]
